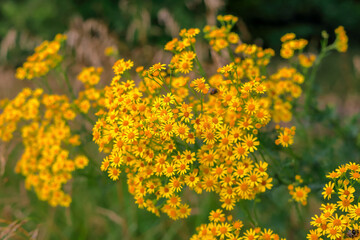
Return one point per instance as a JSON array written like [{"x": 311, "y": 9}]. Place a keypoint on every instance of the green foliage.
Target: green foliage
[{"x": 271, "y": 19}]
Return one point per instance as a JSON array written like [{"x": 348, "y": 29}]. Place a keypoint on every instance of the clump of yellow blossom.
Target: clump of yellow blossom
[
  {"x": 91, "y": 97},
  {"x": 172, "y": 133},
  {"x": 339, "y": 217},
  {"x": 290, "y": 45},
  {"x": 90, "y": 76},
  {"x": 155, "y": 137},
  {"x": 44, "y": 121},
  {"x": 255, "y": 55},
  {"x": 299, "y": 193},
  {"x": 306, "y": 60},
  {"x": 286, "y": 136},
  {"x": 46, "y": 57},
  {"x": 184, "y": 56},
  {"x": 220, "y": 38},
  {"x": 341, "y": 41},
  {"x": 46, "y": 161},
  {"x": 282, "y": 88},
  {"x": 287, "y": 37},
  {"x": 223, "y": 227}
]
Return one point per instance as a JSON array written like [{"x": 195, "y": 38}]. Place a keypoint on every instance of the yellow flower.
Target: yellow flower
[
  {"x": 90, "y": 76},
  {"x": 121, "y": 66},
  {"x": 81, "y": 162},
  {"x": 354, "y": 212},
  {"x": 200, "y": 86},
  {"x": 287, "y": 37},
  {"x": 300, "y": 194},
  {"x": 184, "y": 211},
  {"x": 344, "y": 203},
  {"x": 328, "y": 190},
  {"x": 341, "y": 41},
  {"x": 306, "y": 61},
  {"x": 286, "y": 52},
  {"x": 223, "y": 230},
  {"x": 250, "y": 143},
  {"x": 43, "y": 60}
]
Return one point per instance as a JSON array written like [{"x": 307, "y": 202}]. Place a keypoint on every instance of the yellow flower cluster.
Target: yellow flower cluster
[
  {"x": 290, "y": 45},
  {"x": 341, "y": 41},
  {"x": 253, "y": 52},
  {"x": 222, "y": 227},
  {"x": 306, "y": 61},
  {"x": 286, "y": 136},
  {"x": 91, "y": 97},
  {"x": 220, "y": 38},
  {"x": 299, "y": 194},
  {"x": 23, "y": 106},
  {"x": 164, "y": 146},
  {"x": 90, "y": 76},
  {"x": 46, "y": 137},
  {"x": 187, "y": 39},
  {"x": 172, "y": 133},
  {"x": 339, "y": 219},
  {"x": 184, "y": 55},
  {"x": 282, "y": 87},
  {"x": 45, "y": 58}
]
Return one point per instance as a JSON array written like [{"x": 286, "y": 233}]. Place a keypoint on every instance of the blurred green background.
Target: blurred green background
[
  {"x": 136, "y": 24},
  {"x": 264, "y": 19},
  {"x": 102, "y": 209}
]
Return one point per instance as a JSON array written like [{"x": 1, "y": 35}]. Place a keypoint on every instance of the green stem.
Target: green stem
[
  {"x": 192, "y": 90},
  {"x": 292, "y": 154},
  {"x": 201, "y": 69},
  {"x": 252, "y": 220},
  {"x": 273, "y": 160},
  {"x": 97, "y": 165},
  {"x": 254, "y": 210},
  {"x": 164, "y": 82},
  {"x": 262, "y": 155},
  {"x": 253, "y": 154},
  {"x": 237, "y": 86},
  {"x": 127, "y": 75},
  {"x": 146, "y": 87},
  {"x": 73, "y": 97},
  {"x": 157, "y": 82},
  {"x": 231, "y": 54},
  {"x": 309, "y": 93},
  {"x": 169, "y": 87},
  {"x": 92, "y": 122},
  {"x": 275, "y": 164},
  {"x": 67, "y": 81},
  {"x": 298, "y": 211},
  {"x": 47, "y": 86},
  {"x": 40, "y": 84},
  {"x": 171, "y": 71}
]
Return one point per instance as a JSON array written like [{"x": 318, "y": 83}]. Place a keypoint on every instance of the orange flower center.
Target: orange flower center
[{"x": 168, "y": 128}]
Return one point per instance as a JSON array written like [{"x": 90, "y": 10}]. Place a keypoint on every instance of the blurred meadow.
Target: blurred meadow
[{"x": 103, "y": 209}]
